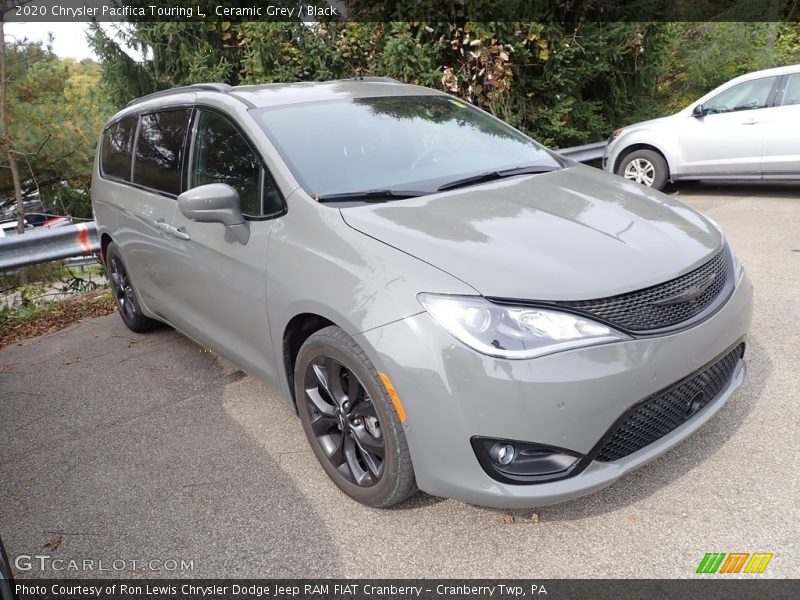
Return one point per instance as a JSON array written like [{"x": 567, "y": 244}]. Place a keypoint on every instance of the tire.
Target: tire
[
  {"x": 647, "y": 167},
  {"x": 342, "y": 416},
  {"x": 125, "y": 293}
]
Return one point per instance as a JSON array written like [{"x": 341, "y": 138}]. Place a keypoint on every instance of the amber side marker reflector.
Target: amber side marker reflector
[{"x": 401, "y": 412}]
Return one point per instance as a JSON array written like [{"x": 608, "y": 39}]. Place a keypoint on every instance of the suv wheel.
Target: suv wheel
[
  {"x": 124, "y": 293},
  {"x": 646, "y": 167},
  {"x": 350, "y": 421}
]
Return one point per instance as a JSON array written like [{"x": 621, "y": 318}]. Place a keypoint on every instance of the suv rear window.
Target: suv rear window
[
  {"x": 115, "y": 158},
  {"x": 159, "y": 150}
]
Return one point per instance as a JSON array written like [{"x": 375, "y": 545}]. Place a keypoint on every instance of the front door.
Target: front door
[
  {"x": 728, "y": 139},
  {"x": 222, "y": 282}
]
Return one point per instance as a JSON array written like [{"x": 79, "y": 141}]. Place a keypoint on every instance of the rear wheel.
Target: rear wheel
[
  {"x": 350, "y": 421},
  {"x": 124, "y": 293},
  {"x": 647, "y": 167}
]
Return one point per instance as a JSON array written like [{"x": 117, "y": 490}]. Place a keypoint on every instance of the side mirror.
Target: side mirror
[
  {"x": 216, "y": 203},
  {"x": 698, "y": 111}
]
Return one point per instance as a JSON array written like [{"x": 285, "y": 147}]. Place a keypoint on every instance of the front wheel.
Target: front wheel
[
  {"x": 646, "y": 167},
  {"x": 350, "y": 421}
]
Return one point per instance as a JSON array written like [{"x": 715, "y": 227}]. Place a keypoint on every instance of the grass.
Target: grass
[
  {"x": 31, "y": 320},
  {"x": 47, "y": 273}
]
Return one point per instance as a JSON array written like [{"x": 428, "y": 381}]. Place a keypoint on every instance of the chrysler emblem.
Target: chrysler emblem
[{"x": 686, "y": 295}]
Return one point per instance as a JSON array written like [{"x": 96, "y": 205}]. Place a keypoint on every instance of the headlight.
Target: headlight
[{"x": 514, "y": 331}]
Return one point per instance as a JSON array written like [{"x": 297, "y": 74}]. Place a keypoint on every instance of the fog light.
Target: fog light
[
  {"x": 525, "y": 462},
  {"x": 502, "y": 453}
]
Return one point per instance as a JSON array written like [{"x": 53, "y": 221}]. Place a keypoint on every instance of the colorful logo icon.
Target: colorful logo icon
[{"x": 734, "y": 562}]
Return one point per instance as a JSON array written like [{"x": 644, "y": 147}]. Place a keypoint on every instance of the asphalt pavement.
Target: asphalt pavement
[{"x": 126, "y": 449}]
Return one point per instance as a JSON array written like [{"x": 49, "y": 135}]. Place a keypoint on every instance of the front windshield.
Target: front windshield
[{"x": 395, "y": 143}]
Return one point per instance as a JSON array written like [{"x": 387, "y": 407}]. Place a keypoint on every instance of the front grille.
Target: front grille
[
  {"x": 662, "y": 412},
  {"x": 640, "y": 311}
]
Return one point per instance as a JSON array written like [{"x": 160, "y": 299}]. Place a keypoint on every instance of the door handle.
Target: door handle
[
  {"x": 179, "y": 232},
  {"x": 162, "y": 225},
  {"x": 751, "y": 122}
]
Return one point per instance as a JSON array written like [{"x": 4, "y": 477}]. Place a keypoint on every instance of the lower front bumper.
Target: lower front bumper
[{"x": 566, "y": 400}]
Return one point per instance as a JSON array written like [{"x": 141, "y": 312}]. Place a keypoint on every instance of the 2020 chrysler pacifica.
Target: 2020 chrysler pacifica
[{"x": 448, "y": 305}]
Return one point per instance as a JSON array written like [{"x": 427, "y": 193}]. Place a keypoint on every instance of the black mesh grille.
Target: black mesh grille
[
  {"x": 639, "y": 311},
  {"x": 662, "y": 412}
]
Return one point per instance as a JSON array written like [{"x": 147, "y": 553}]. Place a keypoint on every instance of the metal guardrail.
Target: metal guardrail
[
  {"x": 44, "y": 245},
  {"x": 584, "y": 153}
]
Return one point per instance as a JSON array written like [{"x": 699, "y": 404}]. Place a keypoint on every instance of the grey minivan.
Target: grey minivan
[{"x": 447, "y": 305}]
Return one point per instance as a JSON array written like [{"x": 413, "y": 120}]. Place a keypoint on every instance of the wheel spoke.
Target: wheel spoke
[
  {"x": 364, "y": 408},
  {"x": 321, "y": 374},
  {"x": 374, "y": 465},
  {"x": 333, "y": 370},
  {"x": 368, "y": 443},
  {"x": 333, "y": 446},
  {"x": 323, "y": 406},
  {"x": 322, "y": 424},
  {"x": 358, "y": 473},
  {"x": 128, "y": 307}
]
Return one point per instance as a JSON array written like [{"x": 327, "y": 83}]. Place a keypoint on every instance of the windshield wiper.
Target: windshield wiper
[
  {"x": 371, "y": 195},
  {"x": 492, "y": 175}
]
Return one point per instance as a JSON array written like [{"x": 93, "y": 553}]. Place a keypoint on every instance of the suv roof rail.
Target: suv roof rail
[
  {"x": 378, "y": 79},
  {"x": 209, "y": 87}
]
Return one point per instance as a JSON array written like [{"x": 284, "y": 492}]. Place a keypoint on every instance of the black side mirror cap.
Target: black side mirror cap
[{"x": 698, "y": 111}]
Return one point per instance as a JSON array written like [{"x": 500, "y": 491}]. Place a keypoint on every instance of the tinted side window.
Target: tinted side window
[
  {"x": 222, "y": 155},
  {"x": 159, "y": 150},
  {"x": 115, "y": 156},
  {"x": 791, "y": 94},
  {"x": 745, "y": 96}
]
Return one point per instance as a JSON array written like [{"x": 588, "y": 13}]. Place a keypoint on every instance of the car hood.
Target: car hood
[
  {"x": 660, "y": 121},
  {"x": 573, "y": 234}
]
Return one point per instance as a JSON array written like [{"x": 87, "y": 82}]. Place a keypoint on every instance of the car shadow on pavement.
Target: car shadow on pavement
[
  {"x": 681, "y": 461},
  {"x": 133, "y": 455}
]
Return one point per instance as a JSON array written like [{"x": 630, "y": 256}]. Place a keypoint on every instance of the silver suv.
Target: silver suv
[
  {"x": 746, "y": 128},
  {"x": 447, "y": 305}
]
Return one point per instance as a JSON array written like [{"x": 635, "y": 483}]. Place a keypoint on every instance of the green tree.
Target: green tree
[
  {"x": 562, "y": 82},
  {"x": 54, "y": 113}
]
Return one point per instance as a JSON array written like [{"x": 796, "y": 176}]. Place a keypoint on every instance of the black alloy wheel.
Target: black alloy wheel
[
  {"x": 352, "y": 424},
  {"x": 124, "y": 293},
  {"x": 344, "y": 421}
]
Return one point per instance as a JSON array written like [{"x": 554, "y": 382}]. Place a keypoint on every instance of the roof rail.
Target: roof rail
[
  {"x": 376, "y": 79},
  {"x": 209, "y": 87}
]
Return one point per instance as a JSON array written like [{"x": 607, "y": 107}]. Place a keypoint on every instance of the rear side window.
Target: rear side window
[
  {"x": 791, "y": 94},
  {"x": 115, "y": 157},
  {"x": 159, "y": 150}
]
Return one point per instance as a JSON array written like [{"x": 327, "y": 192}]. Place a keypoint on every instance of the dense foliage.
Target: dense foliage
[
  {"x": 565, "y": 82},
  {"x": 55, "y": 112}
]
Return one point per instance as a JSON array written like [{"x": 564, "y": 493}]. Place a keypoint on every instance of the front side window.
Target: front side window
[
  {"x": 115, "y": 156},
  {"x": 744, "y": 96},
  {"x": 394, "y": 142},
  {"x": 791, "y": 93},
  {"x": 159, "y": 150},
  {"x": 222, "y": 155}
]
